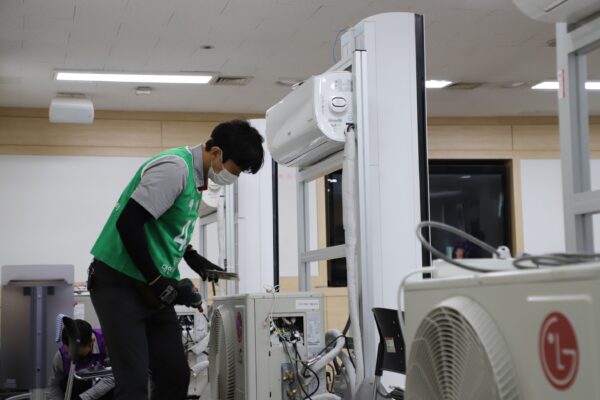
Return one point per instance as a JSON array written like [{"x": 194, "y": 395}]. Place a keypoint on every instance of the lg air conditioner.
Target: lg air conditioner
[
  {"x": 247, "y": 359},
  {"x": 528, "y": 335},
  {"x": 309, "y": 123},
  {"x": 558, "y": 10}
]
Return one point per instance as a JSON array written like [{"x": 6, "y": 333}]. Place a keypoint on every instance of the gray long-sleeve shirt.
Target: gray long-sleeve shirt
[{"x": 55, "y": 392}]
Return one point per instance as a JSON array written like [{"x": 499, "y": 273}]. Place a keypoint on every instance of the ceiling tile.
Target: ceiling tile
[{"x": 466, "y": 40}]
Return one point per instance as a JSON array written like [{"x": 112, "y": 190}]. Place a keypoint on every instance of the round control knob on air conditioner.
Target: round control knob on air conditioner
[{"x": 338, "y": 104}]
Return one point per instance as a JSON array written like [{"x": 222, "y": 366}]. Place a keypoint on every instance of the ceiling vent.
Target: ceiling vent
[
  {"x": 232, "y": 80},
  {"x": 464, "y": 85}
]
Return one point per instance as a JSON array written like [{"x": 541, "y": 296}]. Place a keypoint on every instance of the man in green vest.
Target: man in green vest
[{"x": 134, "y": 277}]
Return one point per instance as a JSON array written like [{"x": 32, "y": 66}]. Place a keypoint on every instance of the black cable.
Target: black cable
[
  {"x": 346, "y": 327},
  {"x": 308, "y": 396},
  {"x": 295, "y": 364},
  {"x": 350, "y": 354},
  {"x": 331, "y": 343}
]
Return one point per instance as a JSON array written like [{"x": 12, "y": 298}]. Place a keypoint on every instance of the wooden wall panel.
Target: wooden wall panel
[
  {"x": 102, "y": 133},
  {"x": 336, "y": 311},
  {"x": 113, "y": 133},
  {"x": 80, "y": 151},
  {"x": 469, "y": 138},
  {"x": 184, "y": 133},
  {"x": 536, "y": 137}
]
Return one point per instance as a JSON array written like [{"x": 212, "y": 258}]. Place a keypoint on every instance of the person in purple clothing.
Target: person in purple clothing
[{"x": 92, "y": 352}]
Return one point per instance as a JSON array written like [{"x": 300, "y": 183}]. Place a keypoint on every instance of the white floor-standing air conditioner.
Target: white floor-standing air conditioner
[
  {"x": 529, "y": 335},
  {"x": 247, "y": 358}
]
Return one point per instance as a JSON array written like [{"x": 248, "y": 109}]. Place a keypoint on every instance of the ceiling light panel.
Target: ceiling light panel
[
  {"x": 132, "y": 78},
  {"x": 553, "y": 85}
]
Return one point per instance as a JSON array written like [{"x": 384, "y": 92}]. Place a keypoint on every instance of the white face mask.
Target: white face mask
[{"x": 224, "y": 177}]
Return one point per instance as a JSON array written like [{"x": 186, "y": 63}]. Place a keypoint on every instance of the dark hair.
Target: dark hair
[
  {"x": 85, "y": 333},
  {"x": 240, "y": 143}
]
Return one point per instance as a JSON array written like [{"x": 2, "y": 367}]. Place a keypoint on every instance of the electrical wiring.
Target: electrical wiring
[
  {"x": 426, "y": 243},
  {"x": 304, "y": 373},
  {"x": 295, "y": 364},
  {"x": 349, "y": 354},
  {"x": 553, "y": 260},
  {"x": 272, "y": 290},
  {"x": 327, "y": 346},
  {"x": 330, "y": 383}
]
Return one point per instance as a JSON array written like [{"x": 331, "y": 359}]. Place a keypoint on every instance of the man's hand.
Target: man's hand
[
  {"x": 201, "y": 265},
  {"x": 188, "y": 294},
  {"x": 171, "y": 292}
]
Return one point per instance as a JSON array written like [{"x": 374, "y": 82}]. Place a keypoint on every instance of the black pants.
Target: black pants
[{"x": 142, "y": 341}]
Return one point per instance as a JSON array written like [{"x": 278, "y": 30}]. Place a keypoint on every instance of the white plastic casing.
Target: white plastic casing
[
  {"x": 558, "y": 10},
  {"x": 519, "y": 303},
  {"x": 309, "y": 123},
  {"x": 71, "y": 110},
  {"x": 259, "y": 355}
]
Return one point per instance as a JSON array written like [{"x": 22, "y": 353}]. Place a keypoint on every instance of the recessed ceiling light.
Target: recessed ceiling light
[
  {"x": 553, "y": 85},
  {"x": 434, "y": 84},
  {"x": 133, "y": 78}
]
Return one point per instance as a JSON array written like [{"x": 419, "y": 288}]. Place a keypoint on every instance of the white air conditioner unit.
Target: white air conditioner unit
[
  {"x": 528, "y": 335},
  {"x": 558, "y": 10},
  {"x": 309, "y": 123},
  {"x": 71, "y": 110},
  {"x": 247, "y": 360}
]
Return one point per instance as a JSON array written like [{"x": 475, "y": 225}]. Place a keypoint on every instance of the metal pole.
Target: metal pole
[
  {"x": 38, "y": 315},
  {"x": 275, "y": 199},
  {"x": 230, "y": 236},
  {"x": 574, "y": 140},
  {"x": 365, "y": 284},
  {"x": 303, "y": 236}
]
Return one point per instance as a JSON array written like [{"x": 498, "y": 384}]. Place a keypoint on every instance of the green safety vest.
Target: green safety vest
[{"x": 167, "y": 236}]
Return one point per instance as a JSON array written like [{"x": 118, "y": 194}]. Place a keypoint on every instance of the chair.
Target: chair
[{"x": 391, "y": 353}]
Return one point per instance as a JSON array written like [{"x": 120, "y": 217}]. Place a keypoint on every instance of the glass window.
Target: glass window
[
  {"x": 336, "y": 269},
  {"x": 470, "y": 195},
  {"x": 474, "y": 197}
]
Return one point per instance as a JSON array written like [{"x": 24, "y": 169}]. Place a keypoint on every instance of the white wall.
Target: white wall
[
  {"x": 52, "y": 208},
  {"x": 541, "y": 194},
  {"x": 255, "y": 225}
]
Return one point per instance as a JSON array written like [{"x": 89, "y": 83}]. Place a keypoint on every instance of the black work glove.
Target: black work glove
[
  {"x": 171, "y": 292},
  {"x": 201, "y": 265}
]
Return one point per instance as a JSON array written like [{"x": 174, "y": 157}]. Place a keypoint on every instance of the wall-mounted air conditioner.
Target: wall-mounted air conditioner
[
  {"x": 558, "y": 10},
  {"x": 71, "y": 110},
  {"x": 309, "y": 123}
]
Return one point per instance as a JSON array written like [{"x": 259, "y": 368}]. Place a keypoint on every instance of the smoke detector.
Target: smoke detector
[{"x": 143, "y": 90}]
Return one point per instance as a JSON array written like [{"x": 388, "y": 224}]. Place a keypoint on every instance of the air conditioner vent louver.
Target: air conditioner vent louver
[
  {"x": 459, "y": 354},
  {"x": 464, "y": 85},
  {"x": 222, "y": 355},
  {"x": 232, "y": 80}
]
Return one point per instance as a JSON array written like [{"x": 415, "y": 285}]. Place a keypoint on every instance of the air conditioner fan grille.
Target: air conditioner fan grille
[{"x": 459, "y": 354}]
